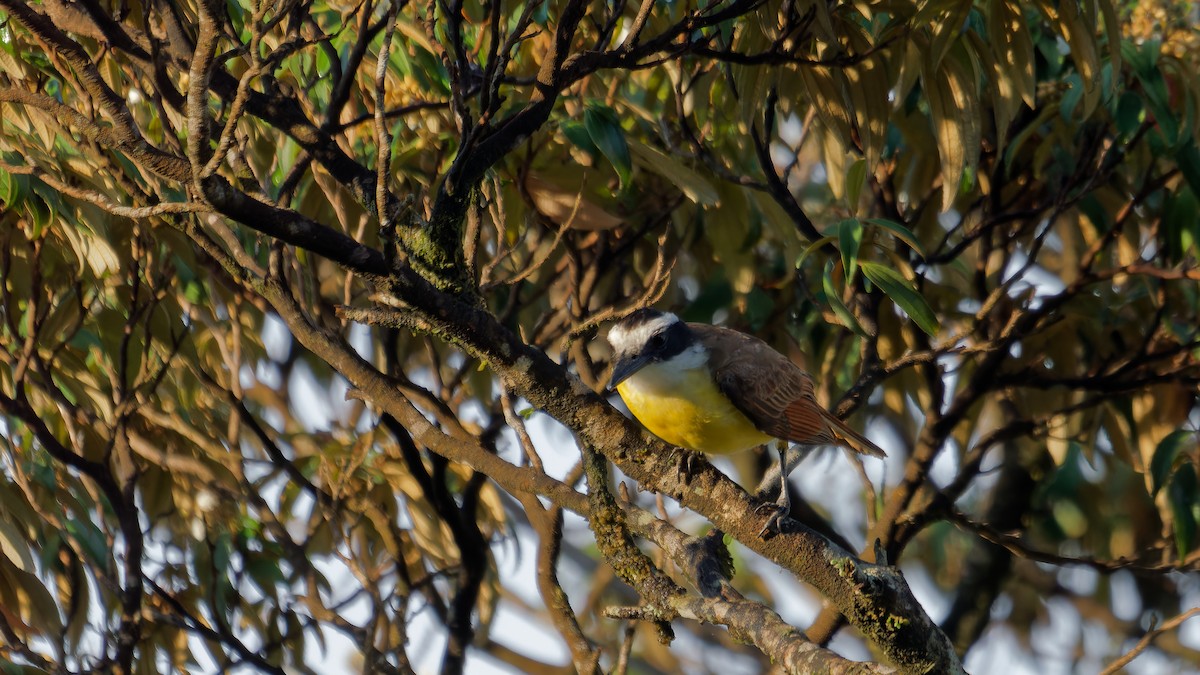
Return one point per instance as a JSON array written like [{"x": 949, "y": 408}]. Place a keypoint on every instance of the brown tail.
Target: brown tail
[{"x": 851, "y": 438}]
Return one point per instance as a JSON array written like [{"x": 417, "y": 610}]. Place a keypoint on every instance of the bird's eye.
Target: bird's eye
[{"x": 658, "y": 341}]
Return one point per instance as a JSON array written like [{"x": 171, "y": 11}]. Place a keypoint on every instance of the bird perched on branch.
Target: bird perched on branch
[{"x": 716, "y": 390}]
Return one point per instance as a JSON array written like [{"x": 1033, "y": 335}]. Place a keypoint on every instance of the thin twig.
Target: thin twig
[
  {"x": 383, "y": 136},
  {"x": 1018, "y": 547},
  {"x": 101, "y": 200},
  {"x": 515, "y": 421},
  {"x": 1147, "y": 639}
]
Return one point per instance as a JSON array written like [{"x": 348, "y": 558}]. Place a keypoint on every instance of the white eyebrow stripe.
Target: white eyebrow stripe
[{"x": 631, "y": 341}]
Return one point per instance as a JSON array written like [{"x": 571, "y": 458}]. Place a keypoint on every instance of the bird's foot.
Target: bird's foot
[
  {"x": 687, "y": 464},
  {"x": 774, "y": 525}
]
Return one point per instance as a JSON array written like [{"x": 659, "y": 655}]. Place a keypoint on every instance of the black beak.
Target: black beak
[{"x": 623, "y": 368}]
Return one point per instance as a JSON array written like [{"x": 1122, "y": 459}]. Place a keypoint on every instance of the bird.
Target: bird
[{"x": 718, "y": 391}]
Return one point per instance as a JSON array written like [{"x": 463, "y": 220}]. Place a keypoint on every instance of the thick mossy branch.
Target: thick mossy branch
[
  {"x": 438, "y": 247},
  {"x": 432, "y": 248},
  {"x": 705, "y": 561},
  {"x": 607, "y": 521}
]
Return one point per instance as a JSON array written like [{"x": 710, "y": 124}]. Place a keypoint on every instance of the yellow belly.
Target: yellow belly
[{"x": 686, "y": 409}]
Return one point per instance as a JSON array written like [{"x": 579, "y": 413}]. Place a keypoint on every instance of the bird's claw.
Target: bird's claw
[
  {"x": 774, "y": 524},
  {"x": 687, "y": 465}
]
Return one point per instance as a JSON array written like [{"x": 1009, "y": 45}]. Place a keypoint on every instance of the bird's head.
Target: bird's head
[{"x": 644, "y": 337}]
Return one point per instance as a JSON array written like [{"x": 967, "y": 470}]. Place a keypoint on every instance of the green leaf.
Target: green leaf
[
  {"x": 856, "y": 178},
  {"x": 14, "y": 548},
  {"x": 827, "y": 239},
  {"x": 850, "y": 233},
  {"x": 1129, "y": 113},
  {"x": 90, "y": 539},
  {"x": 266, "y": 573},
  {"x": 1188, "y": 158},
  {"x": 826, "y": 88},
  {"x": 6, "y": 188},
  {"x": 1009, "y": 37},
  {"x": 903, "y": 294},
  {"x": 1165, "y": 454},
  {"x": 903, "y": 233},
  {"x": 954, "y": 109},
  {"x": 1072, "y": 97},
  {"x": 1183, "y": 496},
  {"x": 1077, "y": 26},
  {"x": 222, "y": 552},
  {"x": 222, "y": 555},
  {"x": 1095, "y": 211},
  {"x": 1180, "y": 223},
  {"x": 693, "y": 185},
  {"x": 1158, "y": 99},
  {"x": 605, "y": 131},
  {"x": 249, "y": 526},
  {"x": 835, "y": 303},
  {"x": 1112, "y": 31},
  {"x": 195, "y": 292},
  {"x": 579, "y": 137},
  {"x": 39, "y": 212},
  {"x": 1015, "y": 144}
]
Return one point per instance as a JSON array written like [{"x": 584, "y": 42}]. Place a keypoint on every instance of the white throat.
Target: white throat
[{"x": 670, "y": 376}]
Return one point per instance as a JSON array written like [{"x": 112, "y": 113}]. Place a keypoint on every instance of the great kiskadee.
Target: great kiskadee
[{"x": 718, "y": 391}]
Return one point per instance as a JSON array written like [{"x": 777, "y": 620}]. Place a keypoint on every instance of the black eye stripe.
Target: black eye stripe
[{"x": 670, "y": 342}]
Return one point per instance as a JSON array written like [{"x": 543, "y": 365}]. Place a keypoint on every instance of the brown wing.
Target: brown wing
[{"x": 774, "y": 393}]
